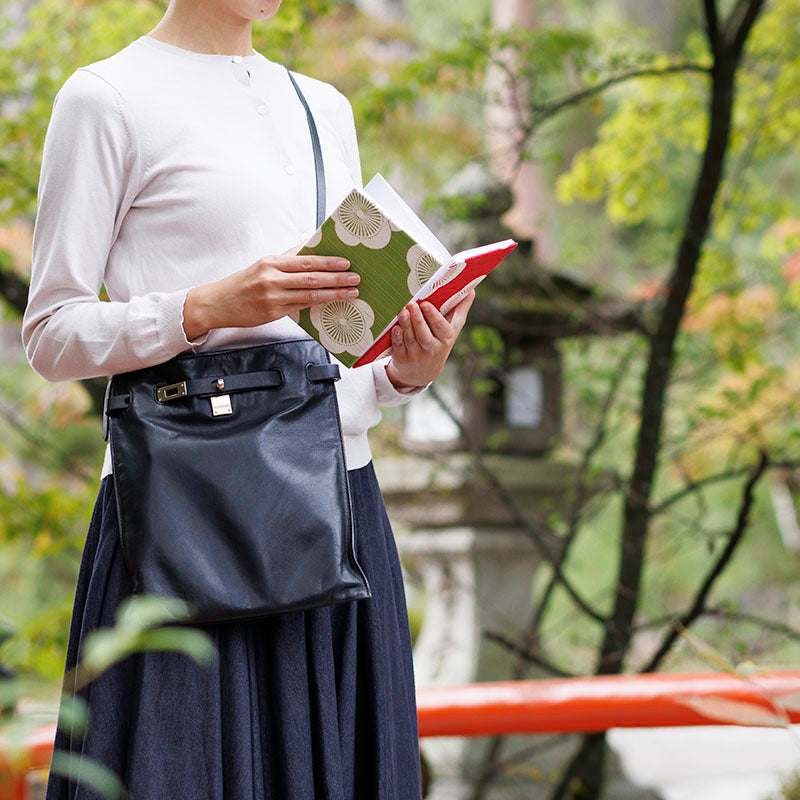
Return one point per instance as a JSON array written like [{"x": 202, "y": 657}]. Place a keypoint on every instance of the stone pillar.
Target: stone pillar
[
  {"x": 475, "y": 578},
  {"x": 477, "y": 570}
]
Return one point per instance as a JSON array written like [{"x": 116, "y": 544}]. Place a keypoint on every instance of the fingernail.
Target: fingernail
[
  {"x": 342, "y": 262},
  {"x": 352, "y": 292}
]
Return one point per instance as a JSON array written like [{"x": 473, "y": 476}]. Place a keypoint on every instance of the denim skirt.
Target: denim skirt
[{"x": 304, "y": 705}]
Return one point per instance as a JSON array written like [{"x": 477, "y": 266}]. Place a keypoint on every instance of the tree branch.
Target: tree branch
[
  {"x": 544, "y": 540},
  {"x": 542, "y": 112},
  {"x": 693, "y": 486},
  {"x": 524, "y": 653},
  {"x": 712, "y": 24},
  {"x": 580, "y": 487},
  {"x": 739, "y": 23},
  {"x": 662, "y": 346},
  {"x": 698, "y": 606},
  {"x": 724, "y": 613},
  {"x": 546, "y": 110}
]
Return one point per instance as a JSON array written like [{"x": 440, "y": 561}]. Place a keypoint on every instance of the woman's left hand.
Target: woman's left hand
[{"x": 422, "y": 342}]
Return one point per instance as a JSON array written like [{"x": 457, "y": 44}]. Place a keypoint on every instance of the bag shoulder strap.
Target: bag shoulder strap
[{"x": 319, "y": 167}]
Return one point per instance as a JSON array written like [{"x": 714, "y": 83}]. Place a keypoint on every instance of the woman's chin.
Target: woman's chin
[{"x": 256, "y": 9}]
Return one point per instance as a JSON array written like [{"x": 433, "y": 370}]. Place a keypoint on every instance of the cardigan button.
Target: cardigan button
[
  {"x": 262, "y": 109},
  {"x": 289, "y": 169},
  {"x": 236, "y": 59}
]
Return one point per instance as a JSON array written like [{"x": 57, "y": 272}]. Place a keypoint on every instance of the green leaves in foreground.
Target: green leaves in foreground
[
  {"x": 136, "y": 631},
  {"x": 89, "y": 773}
]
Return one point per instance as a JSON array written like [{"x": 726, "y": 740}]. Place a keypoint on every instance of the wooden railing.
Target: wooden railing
[{"x": 559, "y": 705}]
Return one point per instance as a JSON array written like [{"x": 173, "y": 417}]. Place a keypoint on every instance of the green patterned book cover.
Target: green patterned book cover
[
  {"x": 397, "y": 263},
  {"x": 375, "y": 246}
]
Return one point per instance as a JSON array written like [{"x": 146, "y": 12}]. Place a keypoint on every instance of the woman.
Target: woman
[{"x": 179, "y": 173}]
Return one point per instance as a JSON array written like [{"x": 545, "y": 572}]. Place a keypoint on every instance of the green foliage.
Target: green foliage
[
  {"x": 647, "y": 152},
  {"x": 137, "y": 630},
  {"x": 790, "y": 790},
  {"x": 539, "y": 55},
  {"x": 732, "y": 384},
  {"x": 457, "y": 206},
  {"x": 63, "y": 35},
  {"x": 90, "y": 773},
  {"x": 142, "y": 624},
  {"x": 39, "y": 645},
  {"x": 627, "y": 167},
  {"x": 45, "y": 508},
  {"x": 445, "y": 69}
]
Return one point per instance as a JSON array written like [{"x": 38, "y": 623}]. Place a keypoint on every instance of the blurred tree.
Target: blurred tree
[
  {"x": 44, "y": 510},
  {"x": 692, "y": 176},
  {"x": 687, "y": 165}
]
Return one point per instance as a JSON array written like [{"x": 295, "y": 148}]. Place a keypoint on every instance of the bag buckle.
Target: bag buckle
[{"x": 172, "y": 392}]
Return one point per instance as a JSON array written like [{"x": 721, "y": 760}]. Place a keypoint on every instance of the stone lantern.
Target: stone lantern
[
  {"x": 513, "y": 408},
  {"x": 509, "y": 400},
  {"x": 475, "y": 563}
]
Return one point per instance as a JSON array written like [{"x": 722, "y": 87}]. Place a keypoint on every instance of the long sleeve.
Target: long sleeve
[
  {"x": 385, "y": 390},
  {"x": 91, "y": 170}
]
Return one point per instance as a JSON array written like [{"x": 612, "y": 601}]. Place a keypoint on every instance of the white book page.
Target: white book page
[
  {"x": 398, "y": 210},
  {"x": 485, "y": 248},
  {"x": 457, "y": 259}
]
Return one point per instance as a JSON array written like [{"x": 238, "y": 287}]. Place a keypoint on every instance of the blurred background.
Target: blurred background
[{"x": 604, "y": 479}]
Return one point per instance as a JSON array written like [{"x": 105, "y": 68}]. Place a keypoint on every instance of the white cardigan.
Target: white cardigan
[{"x": 163, "y": 169}]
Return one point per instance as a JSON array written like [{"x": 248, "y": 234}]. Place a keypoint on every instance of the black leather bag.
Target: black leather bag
[{"x": 231, "y": 486}]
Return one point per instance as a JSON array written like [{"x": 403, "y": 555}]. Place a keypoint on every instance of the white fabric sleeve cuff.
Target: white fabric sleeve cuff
[
  {"x": 181, "y": 334},
  {"x": 385, "y": 390}
]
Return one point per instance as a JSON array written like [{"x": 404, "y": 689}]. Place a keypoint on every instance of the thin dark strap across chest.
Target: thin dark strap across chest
[{"x": 319, "y": 167}]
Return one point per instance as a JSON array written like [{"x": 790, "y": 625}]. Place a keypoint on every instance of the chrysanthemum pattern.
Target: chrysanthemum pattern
[
  {"x": 344, "y": 325},
  {"x": 453, "y": 301},
  {"x": 315, "y": 239},
  {"x": 449, "y": 274},
  {"x": 422, "y": 265},
  {"x": 357, "y": 221}
]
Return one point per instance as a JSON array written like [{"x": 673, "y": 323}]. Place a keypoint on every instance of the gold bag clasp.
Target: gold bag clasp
[{"x": 172, "y": 392}]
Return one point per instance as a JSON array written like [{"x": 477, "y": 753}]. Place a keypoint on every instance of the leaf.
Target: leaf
[
  {"x": 89, "y": 773},
  {"x": 103, "y": 648},
  {"x": 737, "y": 712},
  {"x": 145, "y": 611},
  {"x": 73, "y": 714},
  {"x": 106, "y": 646},
  {"x": 193, "y": 643}
]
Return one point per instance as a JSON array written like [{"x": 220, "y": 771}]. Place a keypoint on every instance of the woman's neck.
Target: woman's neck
[{"x": 205, "y": 28}]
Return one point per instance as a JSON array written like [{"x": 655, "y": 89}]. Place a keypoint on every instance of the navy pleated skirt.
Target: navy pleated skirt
[{"x": 305, "y": 705}]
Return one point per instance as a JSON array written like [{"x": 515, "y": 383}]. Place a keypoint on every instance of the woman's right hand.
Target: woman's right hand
[{"x": 267, "y": 290}]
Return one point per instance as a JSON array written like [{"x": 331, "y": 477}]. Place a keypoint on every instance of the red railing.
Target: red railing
[
  {"x": 579, "y": 705},
  {"x": 560, "y": 705},
  {"x": 14, "y": 781}
]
